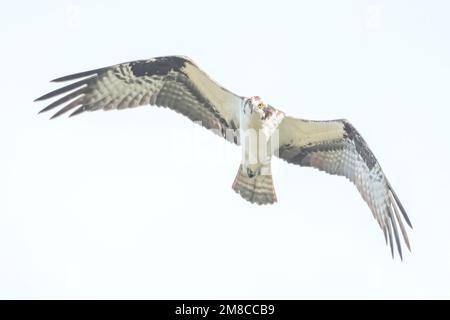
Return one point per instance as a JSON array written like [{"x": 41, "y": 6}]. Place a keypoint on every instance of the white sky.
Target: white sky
[{"x": 115, "y": 205}]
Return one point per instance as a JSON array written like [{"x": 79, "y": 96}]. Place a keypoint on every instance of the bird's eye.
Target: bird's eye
[{"x": 260, "y": 105}]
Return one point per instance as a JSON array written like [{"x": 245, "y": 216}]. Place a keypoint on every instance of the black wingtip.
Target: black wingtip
[
  {"x": 78, "y": 111},
  {"x": 76, "y": 85},
  {"x": 40, "y": 98},
  {"x": 394, "y": 228},
  {"x": 78, "y": 75},
  {"x": 58, "y": 114},
  {"x": 402, "y": 209},
  {"x": 389, "y": 229},
  {"x": 54, "y": 116},
  {"x": 75, "y": 103},
  {"x": 64, "y": 99}
]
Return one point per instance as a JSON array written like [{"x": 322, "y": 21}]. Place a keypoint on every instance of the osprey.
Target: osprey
[{"x": 176, "y": 82}]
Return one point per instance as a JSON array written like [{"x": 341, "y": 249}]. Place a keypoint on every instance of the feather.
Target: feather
[
  {"x": 70, "y": 106},
  {"x": 394, "y": 227},
  {"x": 337, "y": 148},
  {"x": 79, "y": 75},
  {"x": 174, "y": 82},
  {"x": 388, "y": 223},
  {"x": 65, "y": 89},
  {"x": 78, "y": 111},
  {"x": 397, "y": 201},
  {"x": 64, "y": 99},
  {"x": 402, "y": 227}
]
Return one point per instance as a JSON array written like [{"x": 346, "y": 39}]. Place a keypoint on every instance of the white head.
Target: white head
[{"x": 256, "y": 106}]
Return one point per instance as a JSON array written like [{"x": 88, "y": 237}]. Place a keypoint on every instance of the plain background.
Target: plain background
[{"x": 138, "y": 203}]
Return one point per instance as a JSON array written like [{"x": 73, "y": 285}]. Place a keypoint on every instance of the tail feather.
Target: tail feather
[{"x": 258, "y": 189}]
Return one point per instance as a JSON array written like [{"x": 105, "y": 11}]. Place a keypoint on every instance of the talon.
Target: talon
[{"x": 250, "y": 173}]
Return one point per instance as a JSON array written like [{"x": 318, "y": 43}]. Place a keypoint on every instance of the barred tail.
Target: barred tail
[{"x": 258, "y": 189}]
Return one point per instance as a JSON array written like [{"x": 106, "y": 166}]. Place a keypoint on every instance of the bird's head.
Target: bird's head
[{"x": 255, "y": 105}]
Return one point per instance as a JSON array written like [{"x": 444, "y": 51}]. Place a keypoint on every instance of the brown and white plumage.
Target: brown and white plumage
[
  {"x": 179, "y": 84},
  {"x": 337, "y": 148},
  {"x": 174, "y": 82}
]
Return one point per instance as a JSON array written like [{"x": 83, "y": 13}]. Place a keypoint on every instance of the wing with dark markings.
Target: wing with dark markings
[
  {"x": 337, "y": 148},
  {"x": 174, "y": 82}
]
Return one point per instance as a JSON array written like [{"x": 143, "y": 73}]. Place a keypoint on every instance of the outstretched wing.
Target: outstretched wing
[
  {"x": 173, "y": 81},
  {"x": 337, "y": 148}
]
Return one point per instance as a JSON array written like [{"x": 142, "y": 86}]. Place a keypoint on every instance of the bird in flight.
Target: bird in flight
[{"x": 263, "y": 131}]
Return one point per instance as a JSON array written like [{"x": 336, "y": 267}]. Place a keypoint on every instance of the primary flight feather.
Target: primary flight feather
[{"x": 176, "y": 82}]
